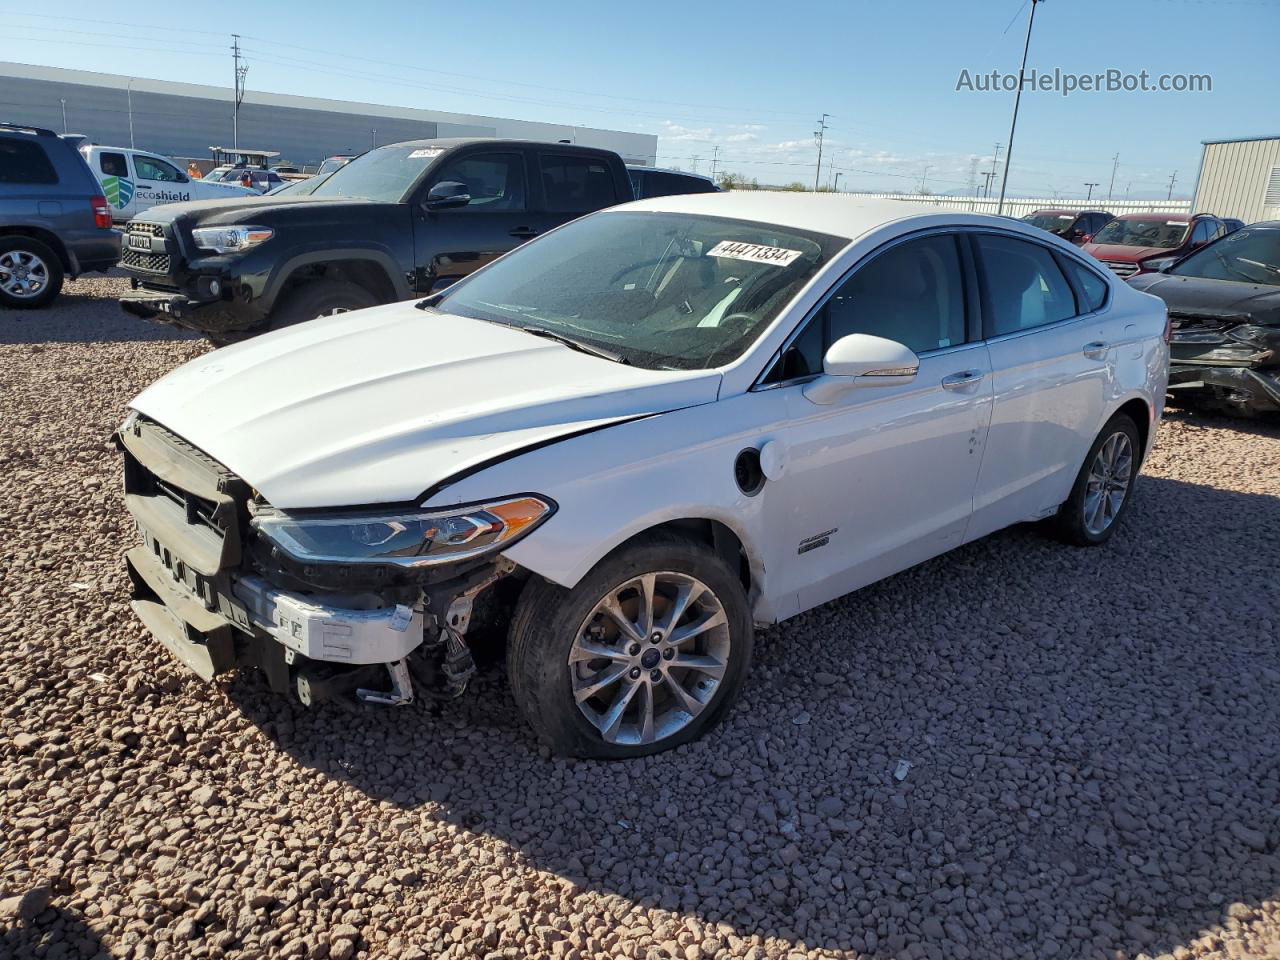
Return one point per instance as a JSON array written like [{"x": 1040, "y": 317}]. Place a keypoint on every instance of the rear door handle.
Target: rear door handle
[
  {"x": 524, "y": 233},
  {"x": 1095, "y": 350},
  {"x": 966, "y": 378}
]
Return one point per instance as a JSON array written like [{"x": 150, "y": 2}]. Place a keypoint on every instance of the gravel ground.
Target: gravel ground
[{"x": 1093, "y": 741}]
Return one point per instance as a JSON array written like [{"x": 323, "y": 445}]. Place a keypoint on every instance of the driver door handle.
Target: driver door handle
[
  {"x": 966, "y": 378},
  {"x": 1095, "y": 350},
  {"x": 524, "y": 233}
]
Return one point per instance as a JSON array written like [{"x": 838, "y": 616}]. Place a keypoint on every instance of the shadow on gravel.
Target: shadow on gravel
[
  {"x": 85, "y": 311},
  {"x": 1260, "y": 426},
  {"x": 51, "y": 933},
  {"x": 1092, "y": 738}
]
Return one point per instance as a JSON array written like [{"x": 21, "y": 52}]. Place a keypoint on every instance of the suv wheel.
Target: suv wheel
[
  {"x": 30, "y": 273},
  {"x": 1104, "y": 486},
  {"x": 320, "y": 298},
  {"x": 647, "y": 652}
]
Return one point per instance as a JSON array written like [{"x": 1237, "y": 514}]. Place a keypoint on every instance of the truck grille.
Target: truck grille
[
  {"x": 1121, "y": 269},
  {"x": 147, "y": 229},
  {"x": 152, "y": 262}
]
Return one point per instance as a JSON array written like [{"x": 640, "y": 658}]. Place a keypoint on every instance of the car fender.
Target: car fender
[
  {"x": 614, "y": 483},
  {"x": 283, "y": 271}
]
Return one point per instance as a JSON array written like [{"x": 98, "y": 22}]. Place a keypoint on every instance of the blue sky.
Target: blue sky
[{"x": 750, "y": 77}]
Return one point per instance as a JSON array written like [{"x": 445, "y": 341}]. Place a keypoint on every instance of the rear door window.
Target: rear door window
[
  {"x": 576, "y": 184},
  {"x": 1022, "y": 284},
  {"x": 113, "y": 164},
  {"x": 24, "y": 161},
  {"x": 1092, "y": 289}
]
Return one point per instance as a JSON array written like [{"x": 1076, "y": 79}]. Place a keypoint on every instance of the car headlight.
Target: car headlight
[
  {"x": 413, "y": 539},
  {"x": 1159, "y": 263},
  {"x": 231, "y": 239}
]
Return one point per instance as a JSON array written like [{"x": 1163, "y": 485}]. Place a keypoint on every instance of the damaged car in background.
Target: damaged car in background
[
  {"x": 1224, "y": 307},
  {"x": 628, "y": 442}
]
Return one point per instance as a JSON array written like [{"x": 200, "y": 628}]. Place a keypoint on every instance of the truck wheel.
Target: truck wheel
[
  {"x": 647, "y": 652},
  {"x": 1103, "y": 487},
  {"x": 30, "y": 273},
  {"x": 320, "y": 298}
]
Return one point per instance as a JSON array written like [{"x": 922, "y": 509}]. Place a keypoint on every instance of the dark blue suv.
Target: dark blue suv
[{"x": 54, "y": 220}]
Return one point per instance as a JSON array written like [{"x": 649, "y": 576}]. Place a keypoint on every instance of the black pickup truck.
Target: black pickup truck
[{"x": 405, "y": 219}]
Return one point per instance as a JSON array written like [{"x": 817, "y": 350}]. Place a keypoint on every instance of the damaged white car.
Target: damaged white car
[{"x": 630, "y": 441}]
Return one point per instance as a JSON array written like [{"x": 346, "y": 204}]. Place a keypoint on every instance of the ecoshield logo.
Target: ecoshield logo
[
  {"x": 118, "y": 191},
  {"x": 1109, "y": 81}
]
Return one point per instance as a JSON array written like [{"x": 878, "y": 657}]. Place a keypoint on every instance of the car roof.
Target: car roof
[
  {"x": 836, "y": 214},
  {"x": 1160, "y": 216},
  {"x": 678, "y": 173},
  {"x": 450, "y": 142}
]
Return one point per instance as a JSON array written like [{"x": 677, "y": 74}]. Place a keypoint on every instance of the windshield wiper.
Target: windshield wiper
[
  {"x": 578, "y": 345},
  {"x": 1230, "y": 269}
]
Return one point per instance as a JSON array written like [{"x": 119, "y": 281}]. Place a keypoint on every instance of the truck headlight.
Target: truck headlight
[
  {"x": 414, "y": 539},
  {"x": 231, "y": 239}
]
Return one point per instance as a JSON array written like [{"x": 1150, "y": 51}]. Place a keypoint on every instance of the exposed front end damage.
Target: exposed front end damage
[
  {"x": 220, "y": 595},
  {"x": 1225, "y": 360}
]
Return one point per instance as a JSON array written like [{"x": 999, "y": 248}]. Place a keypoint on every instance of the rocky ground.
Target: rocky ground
[{"x": 1016, "y": 750}]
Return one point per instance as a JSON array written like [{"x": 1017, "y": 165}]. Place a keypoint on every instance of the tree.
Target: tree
[
  {"x": 732, "y": 181},
  {"x": 795, "y": 187}
]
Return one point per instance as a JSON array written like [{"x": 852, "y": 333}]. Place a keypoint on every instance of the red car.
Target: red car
[
  {"x": 1074, "y": 226},
  {"x": 1148, "y": 242}
]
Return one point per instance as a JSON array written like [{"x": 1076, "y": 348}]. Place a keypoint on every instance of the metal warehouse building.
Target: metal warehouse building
[
  {"x": 185, "y": 119},
  {"x": 1240, "y": 178}
]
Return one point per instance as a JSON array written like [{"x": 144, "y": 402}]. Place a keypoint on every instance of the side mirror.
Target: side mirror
[
  {"x": 447, "y": 194},
  {"x": 861, "y": 360}
]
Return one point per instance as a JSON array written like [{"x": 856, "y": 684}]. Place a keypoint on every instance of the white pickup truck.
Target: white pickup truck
[{"x": 134, "y": 181}]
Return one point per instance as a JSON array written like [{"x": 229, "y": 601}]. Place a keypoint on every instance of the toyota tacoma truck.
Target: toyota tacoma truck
[{"x": 403, "y": 219}]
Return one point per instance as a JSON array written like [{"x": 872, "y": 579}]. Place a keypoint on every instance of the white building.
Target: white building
[
  {"x": 1240, "y": 178},
  {"x": 184, "y": 119}
]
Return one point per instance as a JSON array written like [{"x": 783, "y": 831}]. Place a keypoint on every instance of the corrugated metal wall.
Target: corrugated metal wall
[
  {"x": 184, "y": 120},
  {"x": 1233, "y": 179},
  {"x": 1021, "y": 206}
]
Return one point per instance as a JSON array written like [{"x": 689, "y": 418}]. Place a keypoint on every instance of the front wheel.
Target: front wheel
[
  {"x": 1104, "y": 486},
  {"x": 319, "y": 298},
  {"x": 647, "y": 652}
]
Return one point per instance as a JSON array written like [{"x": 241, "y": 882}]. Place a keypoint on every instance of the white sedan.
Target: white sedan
[{"x": 629, "y": 441}]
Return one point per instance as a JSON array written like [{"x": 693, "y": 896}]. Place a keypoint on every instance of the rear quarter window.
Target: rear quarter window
[
  {"x": 1091, "y": 289},
  {"x": 24, "y": 161},
  {"x": 577, "y": 184}
]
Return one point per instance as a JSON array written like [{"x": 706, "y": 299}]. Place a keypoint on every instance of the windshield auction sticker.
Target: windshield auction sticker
[
  {"x": 429, "y": 153},
  {"x": 753, "y": 252}
]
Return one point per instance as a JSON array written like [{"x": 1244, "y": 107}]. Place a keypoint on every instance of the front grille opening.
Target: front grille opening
[
  {"x": 153, "y": 262},
  {"x": 148, "y": 229}
]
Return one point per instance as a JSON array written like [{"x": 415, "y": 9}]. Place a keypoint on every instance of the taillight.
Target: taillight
[
  {"x": 1168, "y": 328},
  {"x": 101, "y": 213}
]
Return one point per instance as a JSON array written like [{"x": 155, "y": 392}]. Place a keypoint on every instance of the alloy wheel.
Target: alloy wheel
[
  {"x": 1108, "y": 483},
  {"x": 23, "y": 274},
  {"x": 649, "y": 657}
]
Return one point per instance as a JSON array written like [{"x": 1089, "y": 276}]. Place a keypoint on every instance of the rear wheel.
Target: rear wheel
[
  {"x": 647, "y": 652},
  {"x": 30, "y": 273},
  {"x": 319, "y": 298},
  {"x": 1104, "y": 485}
]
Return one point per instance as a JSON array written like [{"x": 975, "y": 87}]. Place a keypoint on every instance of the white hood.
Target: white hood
[{"x": 379, "y": 405}]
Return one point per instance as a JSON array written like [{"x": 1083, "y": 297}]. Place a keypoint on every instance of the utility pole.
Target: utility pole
[
  {"x": 818, "y": 136},
  {"x": 1115, "y": 165},
  {"x": 836, "y": 186},
  {"x": 995, "y": 162},
  {"x": 63, "y": 101},
  {"x": 239, "y": 91},
  {"x": 715, "y": 156},
  {"x": 1089, "y": 195},
  {"x": 924, "y": 178},
  {"x": 1172, "y": 180},
  {"x": 986, "y": 182},
  {"x": 1017, "y": 99},
  {"x": 373, "y": 138}
]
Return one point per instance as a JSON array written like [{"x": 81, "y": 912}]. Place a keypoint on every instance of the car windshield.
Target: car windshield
[
  {"x": 1167, "y": 233},
  {"x": 1251, "y": 254},
  {"x": 1049, "y": 221},
  {"x": 384, "y": 174},
  {"x": 659, "y": 290}
]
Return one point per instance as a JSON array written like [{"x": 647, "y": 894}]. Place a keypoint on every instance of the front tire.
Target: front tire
[
  {"x": 31, "y": 274},
  {"x": 319, "y": 298},
  {"x": 647, "y": 652},
  {"x": 1104, "y": 486}
]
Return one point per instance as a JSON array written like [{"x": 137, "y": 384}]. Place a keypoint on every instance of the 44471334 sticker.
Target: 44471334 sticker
[{"x": 118, "y": 191}]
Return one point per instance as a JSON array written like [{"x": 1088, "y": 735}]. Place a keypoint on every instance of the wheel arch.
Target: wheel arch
[
  {"x": 1143, "y": 414},
  {"x": 48, "y": 238},
  {"x": 373, "y": 270}
]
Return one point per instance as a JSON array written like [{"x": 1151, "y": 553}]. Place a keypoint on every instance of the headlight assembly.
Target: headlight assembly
[
  {"x": 231, "y": 239},
  {"x": 413, "y": 539}
]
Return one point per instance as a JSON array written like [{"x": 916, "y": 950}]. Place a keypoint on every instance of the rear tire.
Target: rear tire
[
  {"x": 31, "y": 274},
  {"x": 319, "y": 298},
  {"x": 672, "y": 682},
  {"x": 1103, "y": 487}
]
